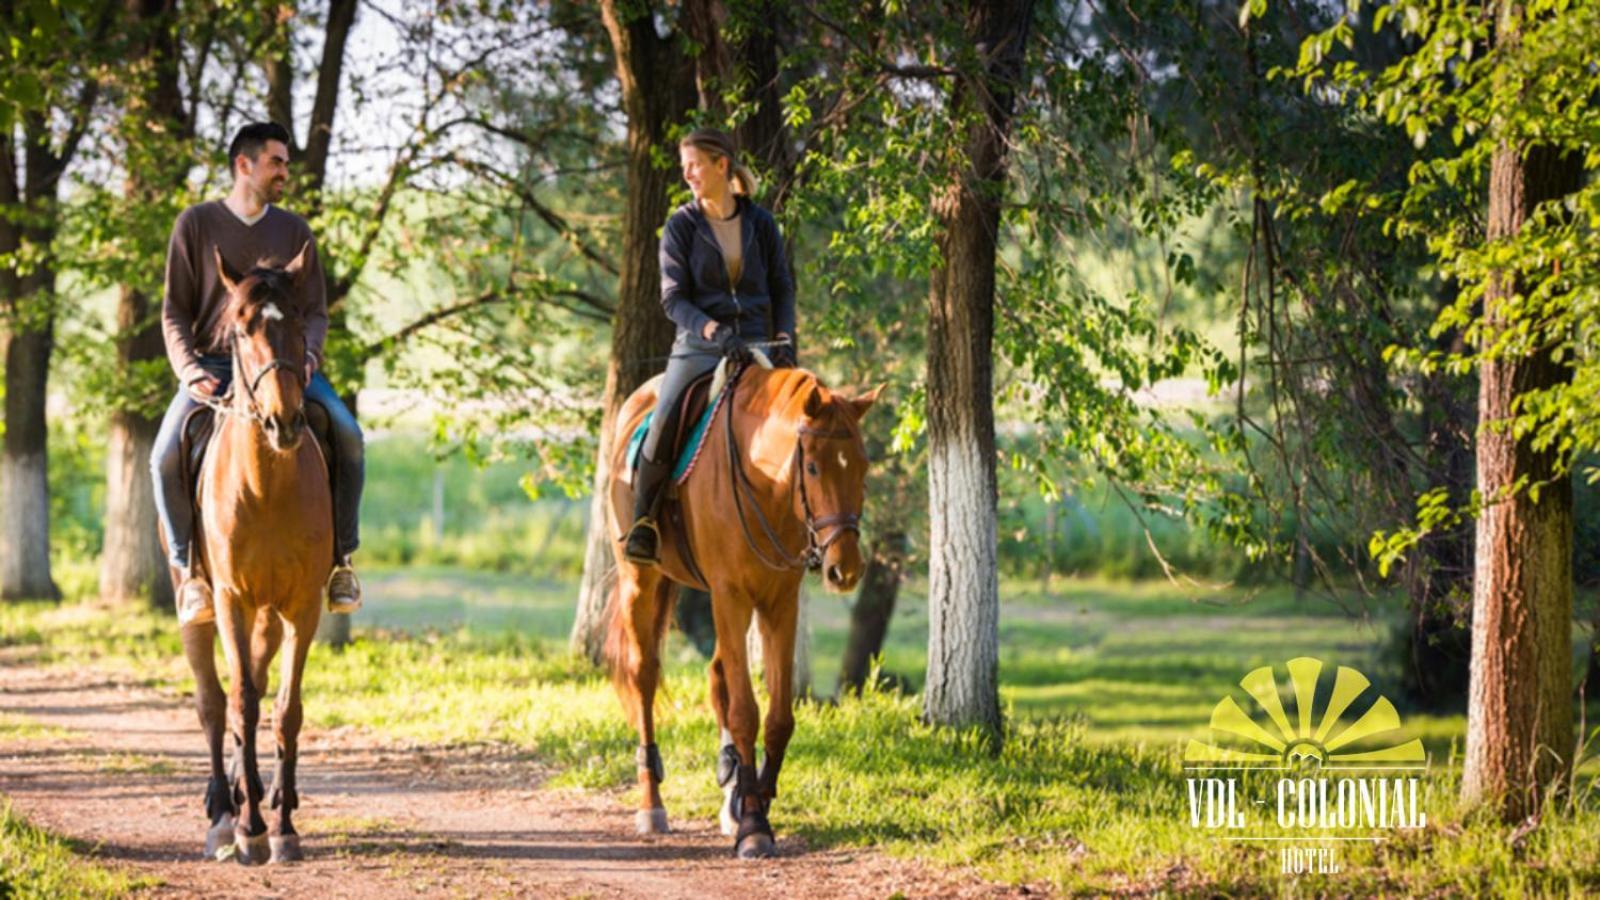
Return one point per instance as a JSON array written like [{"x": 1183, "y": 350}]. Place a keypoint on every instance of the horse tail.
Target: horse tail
[{"x": 632, "y": 656}]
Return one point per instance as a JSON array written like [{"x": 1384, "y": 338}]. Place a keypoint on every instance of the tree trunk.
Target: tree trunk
[
  {"x": 24, "y": 470},
  {"x": 873, "y": 609},
  {"x": 963, "y": 584},
  {"x": 1519, "y": 715},
  {"x": 27, "y": 324},
  {"x": 132, "y": 567},
  {"x": 658, "y": 90},
  {"x": 131, "y": 563}
]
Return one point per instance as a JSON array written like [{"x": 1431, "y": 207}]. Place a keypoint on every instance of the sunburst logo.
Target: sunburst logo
[{"x": 1318, "y": 737}]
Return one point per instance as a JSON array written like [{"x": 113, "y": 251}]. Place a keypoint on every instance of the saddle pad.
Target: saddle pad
[{"x": 690, "y": 447}]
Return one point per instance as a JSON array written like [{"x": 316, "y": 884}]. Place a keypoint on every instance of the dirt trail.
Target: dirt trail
[{"x": 123, "y": 768}]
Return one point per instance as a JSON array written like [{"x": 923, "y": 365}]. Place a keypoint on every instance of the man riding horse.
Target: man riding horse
[{"x": 244, "y": 229}]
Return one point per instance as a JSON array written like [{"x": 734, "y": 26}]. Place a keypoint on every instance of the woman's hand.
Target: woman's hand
[{"x": 709, "y": 332}]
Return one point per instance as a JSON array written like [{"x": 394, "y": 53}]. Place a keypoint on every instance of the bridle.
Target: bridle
[
  {"x": 223, "y": 406},
  {"x": 816, "y": 544}
]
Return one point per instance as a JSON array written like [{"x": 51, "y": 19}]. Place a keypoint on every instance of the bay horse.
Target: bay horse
[
  {"x": 782, "y": 456},
  {"x": 265, "y": 538}
]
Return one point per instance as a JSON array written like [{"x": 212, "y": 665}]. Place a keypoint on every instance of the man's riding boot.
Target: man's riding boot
[
  {"x": 644, "y": 538},
  {"x": 344, "y": 589},
  {"x": 194, "y": 600}
]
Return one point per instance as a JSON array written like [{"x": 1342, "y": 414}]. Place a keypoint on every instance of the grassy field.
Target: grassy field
[
  {"x": 1103, "y": 683},
  {"x": 37, "y": 864}
]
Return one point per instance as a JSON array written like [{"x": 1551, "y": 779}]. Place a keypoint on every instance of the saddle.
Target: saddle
[
  {"x": 696, "y": 411},
  {"x": 199, "y": 425},
  {"x": 694, "y": 418}
]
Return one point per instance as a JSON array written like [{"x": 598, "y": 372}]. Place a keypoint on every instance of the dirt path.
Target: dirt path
[{"x": 123, "y": 768}]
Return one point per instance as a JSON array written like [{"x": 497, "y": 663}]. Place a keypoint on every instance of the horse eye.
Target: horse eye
[{"x": 811, "y": 468}]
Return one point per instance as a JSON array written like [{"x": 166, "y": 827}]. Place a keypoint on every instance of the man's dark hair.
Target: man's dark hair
[{"x": 251, "y": 138}]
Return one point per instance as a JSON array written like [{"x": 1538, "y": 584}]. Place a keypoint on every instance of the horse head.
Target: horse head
[
  {"x": 267, "y": 335},
  {"x": 833, "y": 475}
]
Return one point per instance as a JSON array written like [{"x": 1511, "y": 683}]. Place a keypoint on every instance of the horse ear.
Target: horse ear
[
  {"x": 297, "y": 266},
  {"x": 815, "y": 404},
  {"x": 230, "y": 278},
  {"x": 864, "y": 402}
]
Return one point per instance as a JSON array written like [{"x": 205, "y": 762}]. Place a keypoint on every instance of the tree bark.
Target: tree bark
[
  {"x": 319, "y": 133},
  {"x": 27, "y": 323},
  {"x": 873, "y": 609},
  {"x": 131, "y": 563},
  {"x": 1519, "y": 716},
  {"x": 963, "y": 584},
  {"x": 658, "y": 90}
]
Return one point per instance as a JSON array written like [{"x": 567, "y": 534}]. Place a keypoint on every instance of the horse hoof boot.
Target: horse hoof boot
[
  {"x": 218, "y": 836},
  {"x": 285, "y": 849},
  {"x": 756, "y": 846},
  {"x": 651, "y": 821},
  {"x": 250, "y": 851}
]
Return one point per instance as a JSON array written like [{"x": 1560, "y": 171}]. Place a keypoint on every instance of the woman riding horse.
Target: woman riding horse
[{"x": 724, "y": 283}]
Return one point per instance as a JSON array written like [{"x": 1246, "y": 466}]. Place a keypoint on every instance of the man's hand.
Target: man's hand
[
  {"x": 710, "y": 331},
  {"x": 204, "y": 388}
]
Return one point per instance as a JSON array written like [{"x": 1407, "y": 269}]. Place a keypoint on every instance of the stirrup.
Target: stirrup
[
  {"x": 635, "y": 533},
  {"x": 336, "y": 605},
  {"x": 195, "y": 602}
]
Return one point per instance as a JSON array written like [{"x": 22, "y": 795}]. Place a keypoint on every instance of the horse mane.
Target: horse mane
[{"x": 787, "y": 393}]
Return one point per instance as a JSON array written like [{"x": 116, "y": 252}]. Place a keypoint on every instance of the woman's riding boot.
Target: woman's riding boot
[{"x": 644, "y": 538}]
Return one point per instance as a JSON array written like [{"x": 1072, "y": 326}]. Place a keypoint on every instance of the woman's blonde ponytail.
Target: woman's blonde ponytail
[{"x": 744, "y": 180}]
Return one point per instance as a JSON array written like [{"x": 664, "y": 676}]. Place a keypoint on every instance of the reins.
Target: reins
[{"x": 811, "y": 556}]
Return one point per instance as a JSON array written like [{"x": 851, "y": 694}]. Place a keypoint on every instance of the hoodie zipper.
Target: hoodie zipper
[{"x": 727, "y": 273}]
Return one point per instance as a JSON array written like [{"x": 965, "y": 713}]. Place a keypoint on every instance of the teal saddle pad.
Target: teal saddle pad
[{"x": 686, "y": 455}]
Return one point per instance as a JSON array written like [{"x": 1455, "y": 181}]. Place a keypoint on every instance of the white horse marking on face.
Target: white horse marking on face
[
  {"x": 271, "y": 312},
  {"x": 843, "y": 463}
]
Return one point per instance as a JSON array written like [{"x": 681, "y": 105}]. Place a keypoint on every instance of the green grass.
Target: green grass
[
  {"x": 1103, "y": 685},
  {"x": 37, "y": 864}
]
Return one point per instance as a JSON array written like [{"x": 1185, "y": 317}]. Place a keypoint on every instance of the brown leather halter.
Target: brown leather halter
[{"x": 816, "y": 546}]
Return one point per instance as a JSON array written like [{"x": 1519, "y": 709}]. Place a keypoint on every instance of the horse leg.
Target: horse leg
[
  {"x": 244, "y": 716},
  {"x": 778, "y": 624},
  {"x": 727, "y": 753},
  {"x": 286, "y": 717},
  {"x": 199, "y": 642},
  {"x": 641, "y": 617},
  {"x": 753, "y": 839}
]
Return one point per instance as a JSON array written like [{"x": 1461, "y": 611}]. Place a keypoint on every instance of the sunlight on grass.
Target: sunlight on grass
[
  {"x": 1102, "y": 692},
  {"x": 37, "y": 864}
]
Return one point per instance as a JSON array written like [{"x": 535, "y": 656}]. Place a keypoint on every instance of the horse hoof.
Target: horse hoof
[
  {"x": 730, "y": 825},
  {"x": 219, "y": 836},
  {"x": 651, "y": 821},
  {"x": 756, "y": 846},
  {"x": 285, "y": 849},
  {"x": 250, "y": 851}
]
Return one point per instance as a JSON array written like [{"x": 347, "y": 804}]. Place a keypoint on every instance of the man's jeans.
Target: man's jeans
[{"x": 175, "y": 504}]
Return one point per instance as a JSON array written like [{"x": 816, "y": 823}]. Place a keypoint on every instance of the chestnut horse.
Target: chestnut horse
[
  {"x": 778, "y": 484},
  {"x": 266, "y": 540}
]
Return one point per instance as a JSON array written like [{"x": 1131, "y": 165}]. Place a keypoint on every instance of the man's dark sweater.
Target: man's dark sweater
[{"x": 194, "y": 300}]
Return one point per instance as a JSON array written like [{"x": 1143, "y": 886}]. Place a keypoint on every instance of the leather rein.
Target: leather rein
[{"x": 816, "y": 544}]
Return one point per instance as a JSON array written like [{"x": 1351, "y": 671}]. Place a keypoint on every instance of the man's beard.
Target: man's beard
[{"x": 271, "y": 191}]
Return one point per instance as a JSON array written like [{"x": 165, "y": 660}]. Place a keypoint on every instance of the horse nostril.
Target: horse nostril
[{"x": 835, "y": 575}]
